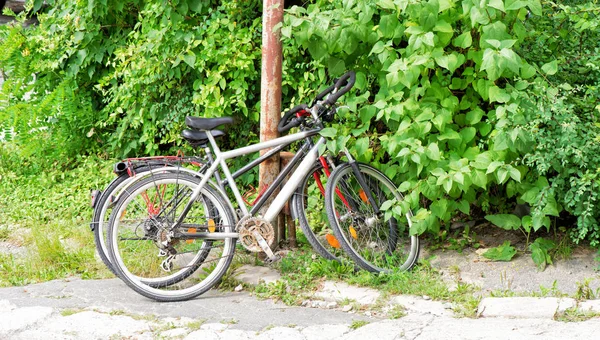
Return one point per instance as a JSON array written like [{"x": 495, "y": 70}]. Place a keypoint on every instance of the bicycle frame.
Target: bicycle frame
[{"x": 286, "y": 191}]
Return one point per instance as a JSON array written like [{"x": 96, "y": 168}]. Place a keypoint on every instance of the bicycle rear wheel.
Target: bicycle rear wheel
[
  {"x": 312, "y": 217},
  {"x": 166, "y": 262},
  {"x": 106, "y": 203},
  {"x": 373, "y": 243}
]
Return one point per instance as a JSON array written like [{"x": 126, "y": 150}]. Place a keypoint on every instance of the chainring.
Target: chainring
[{"x": 246, "y": 228}]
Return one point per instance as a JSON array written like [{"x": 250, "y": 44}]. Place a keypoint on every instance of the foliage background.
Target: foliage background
[{"x": 476, "y": 108}]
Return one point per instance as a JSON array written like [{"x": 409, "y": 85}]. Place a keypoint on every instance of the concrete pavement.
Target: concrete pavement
[{"x": 107, "y": 309}]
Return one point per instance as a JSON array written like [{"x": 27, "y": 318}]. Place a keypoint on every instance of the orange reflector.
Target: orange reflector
[
  {"x": 363, "y": 196},
  {"x": 123, "y": 215},
  {"x": 353, "y": 233},
  {"x": 190, "y": 230},
  {"x": 211, "y": 225},
  {"x": 332, "y": 241}
]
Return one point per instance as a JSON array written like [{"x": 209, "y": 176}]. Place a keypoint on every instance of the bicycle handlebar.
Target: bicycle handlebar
[
  {"x": 341, "y": 86},
  {"x": 284, "y": 125},
  {"x": 349, "y": 79}
]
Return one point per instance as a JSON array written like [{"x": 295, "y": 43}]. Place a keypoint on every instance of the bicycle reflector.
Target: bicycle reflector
[{"x": 333, "y": 241}]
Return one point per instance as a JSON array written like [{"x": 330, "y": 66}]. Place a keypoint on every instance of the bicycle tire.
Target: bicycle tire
[
  {"x": 374, "y": 244},
  {"x": 310, "y": 200},
  {"x": 99, "y": 218},
  {"x": 137, "y": 244}
]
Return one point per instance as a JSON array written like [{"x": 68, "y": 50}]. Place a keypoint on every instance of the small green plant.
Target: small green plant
[
  {"x": 195, "y": 325},
  {"x": 4, "y": 233},
  {"x": 396, "y": 312},
  {"x": 585, "y": 292},
  {"x": 356, "y": 324},
  {"x": 504, "y": 252},
  {"x": 70, "y": 311},
  {"x": 229, "y": 321},
  {"x": 552, "y": 291},
  {"x": 540, "y": 252},
  {"x": 575, "y": 315}
]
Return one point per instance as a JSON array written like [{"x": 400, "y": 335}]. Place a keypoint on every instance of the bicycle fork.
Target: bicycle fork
[{"x": 362, "y": 182}]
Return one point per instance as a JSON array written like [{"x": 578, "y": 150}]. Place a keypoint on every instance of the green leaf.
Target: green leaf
[
  {"x": 515, "y": 174},
  {"x": 535, "y": 6},
  {"x": 447, "y": 184},
  {"x": 361, "y": 146},
  {"x": 329, "y": 132},
  {"x": 505, "y": 221},
  {"x": 439, "y": 208},
  {"x": 459, "y": 178},
  {"x": 424, "y": 116},
  {"x": 196, "y": 5},
  {"x": 37, "y": 4},
  {"x": 527, "y": 71},
  {"x": 483, "y": 161},
  {"x": 550, "y": 68},
  {"x": 505, "y": 252},
  {"x": 386, "y": 205},
  {"x": 468, "y": 134},
  {"x": 449, "y": 134},
  {"x": 464, "y": 206},
  {"x": 540, "y": 221},
  {"x": 539, "y": 257},
  {"x": 433, "y": 152},
  {"x": 540, "y": 252},
  {"x": 479, "y": 178},
  {"x": 474, "y": 116},
  {"x": 497, "y": 4},
  {"x": 190, "y": 59},
  {"x": 527, "y": 223},
  {"x": 493, "y": 166},
  {"x": 551, "y": 207},
  {"x": 499, "y": 95},
  {"x": 502, "y": 175},
  {"x": 464, "y": 40},
  {"x": 512, "y": 5}
]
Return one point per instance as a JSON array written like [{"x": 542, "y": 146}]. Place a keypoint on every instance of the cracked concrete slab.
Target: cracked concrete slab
[
  {"x": 340, "y": 291},
  {"x": 524, "y": 307}
]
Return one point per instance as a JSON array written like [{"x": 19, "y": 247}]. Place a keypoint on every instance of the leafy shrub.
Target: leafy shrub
[{"x": 469, "y": 96}]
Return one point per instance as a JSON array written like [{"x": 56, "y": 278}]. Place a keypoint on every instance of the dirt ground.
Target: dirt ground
[{"x": 575, "y": 274}]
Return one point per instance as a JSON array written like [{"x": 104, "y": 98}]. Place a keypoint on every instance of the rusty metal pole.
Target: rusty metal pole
[{"x": 270, "y": 91}]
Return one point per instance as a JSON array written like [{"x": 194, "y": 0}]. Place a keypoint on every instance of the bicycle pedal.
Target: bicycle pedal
[{"x": 272, "y": 260}]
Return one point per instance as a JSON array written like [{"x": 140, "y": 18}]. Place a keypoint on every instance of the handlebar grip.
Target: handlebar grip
[
  {"x": 284, "y": 125},
  {"x": 348, "y": 79}
]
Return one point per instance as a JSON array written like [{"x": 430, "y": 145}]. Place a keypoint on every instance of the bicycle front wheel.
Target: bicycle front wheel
[
  {"x": 373, "y": 243},
  {"x": 163, "y": 260}
]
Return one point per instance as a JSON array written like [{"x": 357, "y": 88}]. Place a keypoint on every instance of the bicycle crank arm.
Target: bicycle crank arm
[{"x": 264, "y": 246}]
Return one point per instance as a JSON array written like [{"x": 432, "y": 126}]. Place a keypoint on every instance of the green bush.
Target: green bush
[{"x": 485, "y": 104}]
